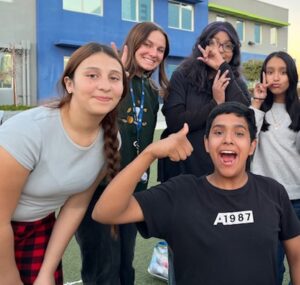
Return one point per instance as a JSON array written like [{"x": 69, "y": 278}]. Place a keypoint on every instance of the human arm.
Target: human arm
[
  {"x": 220, "y": 83},
  {"x": 65, "y": 226},
  {"x": 292, "y": 250},
  {"x": 226, "y": 86},
  {"x": 290, "y": 234},
  {"x": 13, "y": 177},
  {"x": 259, "y": 93},
  {"x": 117, "y": 205},
  {"x": 185, "y": 104},
  {"x": 212, "y": 57},
  {"x": 237, "y": 89}
]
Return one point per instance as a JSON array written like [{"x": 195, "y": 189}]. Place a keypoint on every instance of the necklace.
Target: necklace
[
  {"x": 277, "y": 123},
  {"x": 138, "y": 113}
]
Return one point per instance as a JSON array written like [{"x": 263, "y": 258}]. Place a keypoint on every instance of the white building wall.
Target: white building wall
[
  {"x": 18, "y": 29},
  {"x": 260, "y": 9},
  {"x": 265, "y": 47}
]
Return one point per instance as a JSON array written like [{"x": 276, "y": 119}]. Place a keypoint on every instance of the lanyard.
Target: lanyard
[{"x": 138, "y": 113}]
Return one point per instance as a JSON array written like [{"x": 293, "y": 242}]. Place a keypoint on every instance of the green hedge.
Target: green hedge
[{"x": 14, "y": 108}]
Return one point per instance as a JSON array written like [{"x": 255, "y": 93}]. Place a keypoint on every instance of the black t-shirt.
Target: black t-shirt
[{"x": 219, "y": 236}]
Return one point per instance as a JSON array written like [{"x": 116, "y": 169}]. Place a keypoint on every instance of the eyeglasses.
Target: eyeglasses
[{"x": 227, "y": 47}]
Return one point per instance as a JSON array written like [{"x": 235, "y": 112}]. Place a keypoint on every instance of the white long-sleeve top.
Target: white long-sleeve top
[{"x": 276, "y": 154}]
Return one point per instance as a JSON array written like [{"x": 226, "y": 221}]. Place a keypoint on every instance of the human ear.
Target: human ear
[
  {"x": 252, "y": 147},
  {"x": 206, "y": 144},
  {"x": 69, "y": 84}
]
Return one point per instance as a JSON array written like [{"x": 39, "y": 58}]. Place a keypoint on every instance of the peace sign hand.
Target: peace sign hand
[{"x": 260, "y": 92}]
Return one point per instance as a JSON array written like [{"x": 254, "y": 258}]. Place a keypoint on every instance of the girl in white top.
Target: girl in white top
[
  {"x": 277, "y": 113},
  {"x": 54, "y": 157}
]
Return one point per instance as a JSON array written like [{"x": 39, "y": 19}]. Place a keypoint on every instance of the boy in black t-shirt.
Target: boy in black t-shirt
[{"x": 223, "y": 228}]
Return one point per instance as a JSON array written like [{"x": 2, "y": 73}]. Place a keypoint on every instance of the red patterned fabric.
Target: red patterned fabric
[{"x": 31, "y": 240}]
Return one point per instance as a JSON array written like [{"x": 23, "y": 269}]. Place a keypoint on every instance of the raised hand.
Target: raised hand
[
  {"x": 176, "y": 146},
  {"x": 211, "y": 56},
  {"x": 219, "y": 86},
  {"x": 260, "y": 89},
  {"x": 124, "y": 55},
  {"x": 260, "y": 92}
]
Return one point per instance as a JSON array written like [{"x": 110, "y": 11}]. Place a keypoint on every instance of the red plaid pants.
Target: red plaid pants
[{"x": 31, "y": 240}]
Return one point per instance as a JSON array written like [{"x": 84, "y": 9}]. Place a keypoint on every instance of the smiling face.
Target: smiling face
[
  {"x": 97, "y": 85},
  {"x": 277, "y": 77},
  {"x": 151, "y": 52},
  {"x": 223, "y": 39},
  {"x": 229, "y": 145}
]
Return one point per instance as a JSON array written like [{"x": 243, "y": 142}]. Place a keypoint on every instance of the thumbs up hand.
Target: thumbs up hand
[{"x": 176, "y": 146}]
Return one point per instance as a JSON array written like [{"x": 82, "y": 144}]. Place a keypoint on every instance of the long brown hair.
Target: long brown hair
[
  {"x": 136, "y": 37},
  {"x": 109, "y": 123}
]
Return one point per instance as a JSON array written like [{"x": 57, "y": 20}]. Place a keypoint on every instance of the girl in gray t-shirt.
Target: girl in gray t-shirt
[
  {"x": 53, "y": 157},
  {"x": 277, "y": 113}
]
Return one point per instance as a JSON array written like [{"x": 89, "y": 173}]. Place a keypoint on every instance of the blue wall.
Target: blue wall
[
  {"x": 60, "y": 32},
  {"x": 252, "y": 56}
]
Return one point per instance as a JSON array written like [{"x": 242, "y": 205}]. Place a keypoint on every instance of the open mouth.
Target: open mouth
[{"x": 228, "y": 157}]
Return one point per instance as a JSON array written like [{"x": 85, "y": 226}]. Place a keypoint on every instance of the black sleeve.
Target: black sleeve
[
  {"x": 156, "y": 204},
  {"x": 242, "y": 84},
  {"x": 236, "y": 89},
  {"x": 290, "y": 224},
  {"x": 175, "y": 109},
  {"x": 160, "y": 207}
]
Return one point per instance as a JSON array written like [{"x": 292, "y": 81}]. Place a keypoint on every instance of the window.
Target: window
[
  {"x": 273, "y": 36},
  {"x": 257, "y": 33},
  {"x": 240, "y": 28},
  {"x": 84, "y": 6},
  {"x": 66, "y": 59},
  {"x": 180, "y": 16},
  {"x": 5, "y": 69},
  {"x": 220, "y": 18},
  {"x": 137, "y": 10}
]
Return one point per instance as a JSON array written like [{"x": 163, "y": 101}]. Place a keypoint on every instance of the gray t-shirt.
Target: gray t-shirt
[
  {"x": 276, "y": 155},
  {"x": 59, "y": 167},
  {"x": 298, "y": 142}
]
